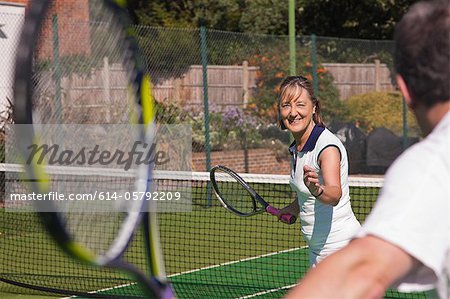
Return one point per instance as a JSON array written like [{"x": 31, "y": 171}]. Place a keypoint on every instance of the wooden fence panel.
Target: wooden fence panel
[
  {"x": 103, "y": 89},
  {"x": 357, "y": 78},
  {"x": 227, "y": 85}
]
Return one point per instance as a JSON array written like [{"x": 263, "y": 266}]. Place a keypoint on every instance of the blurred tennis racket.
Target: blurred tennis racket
[
  {"x": 238, "y": 197},
  {"x": 97, "y": 239}
]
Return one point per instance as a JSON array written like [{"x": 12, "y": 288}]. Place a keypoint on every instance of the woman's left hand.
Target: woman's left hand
[{"x": 311, "y": 180}]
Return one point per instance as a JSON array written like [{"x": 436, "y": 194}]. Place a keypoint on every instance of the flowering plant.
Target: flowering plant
[
  {"x": 273, "y": 66},
  {"x": 241, "y": 126}
]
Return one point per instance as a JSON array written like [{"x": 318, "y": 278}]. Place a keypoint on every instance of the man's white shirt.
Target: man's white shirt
[{"x": 413, "y": 210}]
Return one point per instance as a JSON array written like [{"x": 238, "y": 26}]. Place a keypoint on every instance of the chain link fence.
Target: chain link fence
[
  {"x": 225, "y": 86},
  {"x": 236, "y": 76}
]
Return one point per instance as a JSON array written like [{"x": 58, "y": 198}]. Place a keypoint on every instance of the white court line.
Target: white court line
[
  {"x": 238, "y": 261},
  {"x": 206, "y": 268},
  {"x": 267, "y": 292}
]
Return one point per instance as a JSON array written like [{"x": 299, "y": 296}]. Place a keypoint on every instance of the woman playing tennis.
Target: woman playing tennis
[{"x": 319, "y": 172}]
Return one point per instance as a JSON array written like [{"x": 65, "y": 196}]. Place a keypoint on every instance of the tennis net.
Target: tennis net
[{"x": 209, "y": 252}]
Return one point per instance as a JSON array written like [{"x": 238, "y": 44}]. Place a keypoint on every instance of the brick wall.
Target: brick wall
[
  {"x": 260, "y": 161},
  {"x": 73, "y": 16}
]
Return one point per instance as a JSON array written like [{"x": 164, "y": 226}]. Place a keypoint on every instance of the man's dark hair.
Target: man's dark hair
[{"x": 422, "y": 51}]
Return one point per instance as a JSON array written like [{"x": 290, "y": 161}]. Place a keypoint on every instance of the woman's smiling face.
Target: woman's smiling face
[{"x": 296, "y": 109}]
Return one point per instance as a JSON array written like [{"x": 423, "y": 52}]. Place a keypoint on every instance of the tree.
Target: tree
[
  {"x": 160, "y": 13},
  {"x": 366, "y": 19},
  {"x": 215, "y": 14},
  {"x": 265, "y": 17}
]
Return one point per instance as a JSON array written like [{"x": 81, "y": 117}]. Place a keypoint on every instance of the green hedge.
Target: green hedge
[{"x": 380, "y": 109}]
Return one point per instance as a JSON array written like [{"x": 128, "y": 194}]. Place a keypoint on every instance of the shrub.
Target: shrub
[{"x": 380, "y": 109}]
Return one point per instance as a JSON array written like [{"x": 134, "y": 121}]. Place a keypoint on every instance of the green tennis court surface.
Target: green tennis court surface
[
  {"x": 194, "y": 282},
  {"x": 209, "y": 252},
  {"x": 185, "y": 283}
]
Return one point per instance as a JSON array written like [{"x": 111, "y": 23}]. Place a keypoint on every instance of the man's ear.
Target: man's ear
[{"x": 404, "y": 90}]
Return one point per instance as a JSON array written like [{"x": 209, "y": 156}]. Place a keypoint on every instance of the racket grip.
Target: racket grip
[{"x": 286, "y": 218}]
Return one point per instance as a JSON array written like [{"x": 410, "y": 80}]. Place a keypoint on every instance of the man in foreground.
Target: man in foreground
[{"x": 405, "y": 241}]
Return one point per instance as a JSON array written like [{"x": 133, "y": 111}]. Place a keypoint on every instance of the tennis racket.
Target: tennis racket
[
  {"x": 50, "y": 57},
  {"x": 238, "y": 197}
]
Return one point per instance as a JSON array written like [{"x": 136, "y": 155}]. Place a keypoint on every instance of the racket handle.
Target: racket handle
[{"x": 286, "y": 218}]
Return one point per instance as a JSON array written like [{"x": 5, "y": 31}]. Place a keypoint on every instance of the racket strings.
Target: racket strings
[
  {"x": 91, "y": 222},
  {"x": 106, "y": 30},
  {"x": 86, "y": 82},
  {"x": 84, "y": 74},
  {"x": 234, "y": 194}
]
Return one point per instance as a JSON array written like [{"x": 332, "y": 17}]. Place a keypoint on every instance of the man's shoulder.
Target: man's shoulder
[
  {"x": 435, "y": 147},
  {"x": 426, "y": 161}
]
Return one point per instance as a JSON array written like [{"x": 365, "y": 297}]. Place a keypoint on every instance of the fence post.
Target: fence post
[
  {"x": 292, "y": 50},
  {"x": 67, "y": 88},
  {"x": 245, "y": 79},
  {"x": 204, "y": 56},
  {"x": 293, "y": 67},
  {"x": 57, "y": 68},
  {"x": 107, "y": 88},
  {"x": 177, "y": 90},
  {"x": 314, "y": 64},
  {"x": 377, "y": 75}
]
